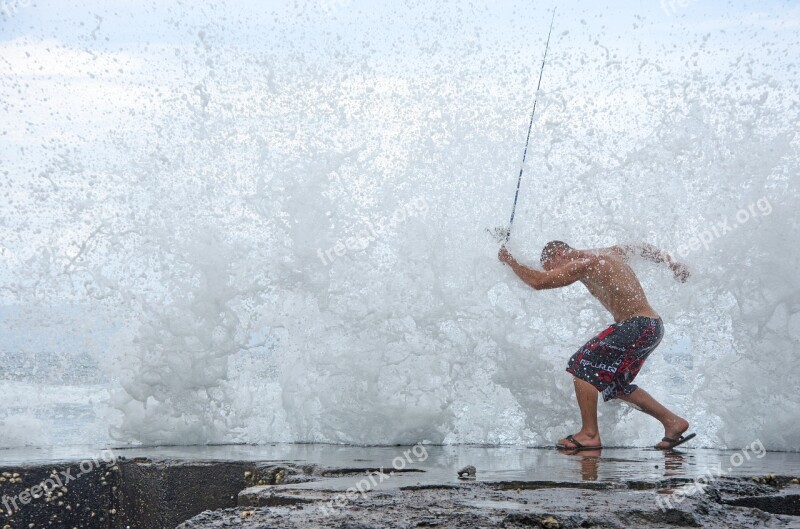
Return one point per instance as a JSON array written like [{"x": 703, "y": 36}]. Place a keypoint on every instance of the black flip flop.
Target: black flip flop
[
  {"x": 674, "y": 442},
  {"x": 577, "y": 446}
]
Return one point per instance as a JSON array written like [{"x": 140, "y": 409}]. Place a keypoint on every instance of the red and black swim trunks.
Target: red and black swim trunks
[{"x": 612, "y": 359}]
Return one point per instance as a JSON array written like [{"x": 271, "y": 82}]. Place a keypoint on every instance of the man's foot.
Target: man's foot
[
  {"x": 673, "y": 430},
  {"x": 582, "y": 452},
  {"x": 580, "y": 440}
]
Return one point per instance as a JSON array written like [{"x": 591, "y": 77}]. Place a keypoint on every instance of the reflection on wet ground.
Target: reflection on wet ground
[
  {"x": 413, "y": 485},
  {"x": 440, "y": 463}
]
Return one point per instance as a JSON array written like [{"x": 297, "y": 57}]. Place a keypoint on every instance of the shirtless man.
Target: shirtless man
[{"x": 608, "y": 363}]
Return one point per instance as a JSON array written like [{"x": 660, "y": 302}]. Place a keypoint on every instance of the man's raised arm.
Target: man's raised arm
[
  {"x": 560, "y": 277},
  {"x": 651, "y": 253}
]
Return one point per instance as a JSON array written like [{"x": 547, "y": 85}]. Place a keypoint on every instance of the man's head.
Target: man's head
[{"x": 554, "y": 254}]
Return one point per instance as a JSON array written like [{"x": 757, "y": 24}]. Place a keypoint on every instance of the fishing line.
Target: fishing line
[{"x": 530, "y": 126}]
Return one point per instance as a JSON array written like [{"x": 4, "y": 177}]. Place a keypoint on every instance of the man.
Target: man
[{"x": 609, "y": 362}]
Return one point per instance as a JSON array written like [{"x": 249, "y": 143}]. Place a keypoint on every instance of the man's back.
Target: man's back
[
  {"x": 616, "y": 286},
  {"x": 608, "y": 363}
]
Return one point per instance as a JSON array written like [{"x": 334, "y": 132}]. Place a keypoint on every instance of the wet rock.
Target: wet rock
[
  {"x": 543, "y": 521},
  {"x": 487, "y": 505},
  {"x": 468, "y": 472},
  {"x": 163, "y": 493},
  {"x": 57, "y": 495},
  {"x": 731, "y": 487},
  {"x": 671, "y": 517},
  {"x": 274, "y": 475},
  {"x": 154, "y": 494},
  {"x": 266, "y": 496},
  {"x": 779, "y": 504}
]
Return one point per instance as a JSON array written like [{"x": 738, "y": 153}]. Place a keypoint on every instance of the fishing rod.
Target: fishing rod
[{"x": 530, "y": 126}]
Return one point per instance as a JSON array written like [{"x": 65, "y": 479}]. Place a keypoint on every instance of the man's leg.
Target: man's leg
[
  {"x": 674, "y": 425},
  {"x": 587, "y": 401}
]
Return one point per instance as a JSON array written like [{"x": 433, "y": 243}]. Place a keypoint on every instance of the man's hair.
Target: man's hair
[{"x": 551, "y": 248}]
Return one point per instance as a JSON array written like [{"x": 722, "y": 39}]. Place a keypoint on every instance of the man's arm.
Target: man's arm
[
  {"x": 560, "y": 277},
  {"x": 653, "y": 254}
]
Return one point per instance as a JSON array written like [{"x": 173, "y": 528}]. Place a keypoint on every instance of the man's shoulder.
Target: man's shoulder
[{"x": 609, "y": 251}]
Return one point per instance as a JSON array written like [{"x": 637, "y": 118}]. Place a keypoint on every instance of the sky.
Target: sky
[
  {"x": 53, "y": 46},
  {"x": 311, "y": 24}
]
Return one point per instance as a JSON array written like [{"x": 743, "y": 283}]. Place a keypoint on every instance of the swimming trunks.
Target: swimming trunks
[{"x": 612, "y": 359}]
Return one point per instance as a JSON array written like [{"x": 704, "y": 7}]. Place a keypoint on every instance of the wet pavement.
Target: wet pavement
[
  {"x": 441, "y": 463},
  {"x": 313, "y": 485}
]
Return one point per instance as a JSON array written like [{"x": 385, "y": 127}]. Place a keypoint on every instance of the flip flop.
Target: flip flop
[
  {"x": 577, "y": 446},
  {"x": 674, "y": 442}
]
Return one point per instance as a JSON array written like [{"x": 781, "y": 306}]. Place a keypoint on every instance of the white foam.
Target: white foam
[{"x": 190, "y": 238}]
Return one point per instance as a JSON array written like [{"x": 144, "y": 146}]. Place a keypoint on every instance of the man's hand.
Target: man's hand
[
  {"x": 503, "y": 255},
  {"x": 680, "y": 270}
]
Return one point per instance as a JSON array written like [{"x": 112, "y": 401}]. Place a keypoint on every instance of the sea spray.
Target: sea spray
[{"x": 178, "y": 230}]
